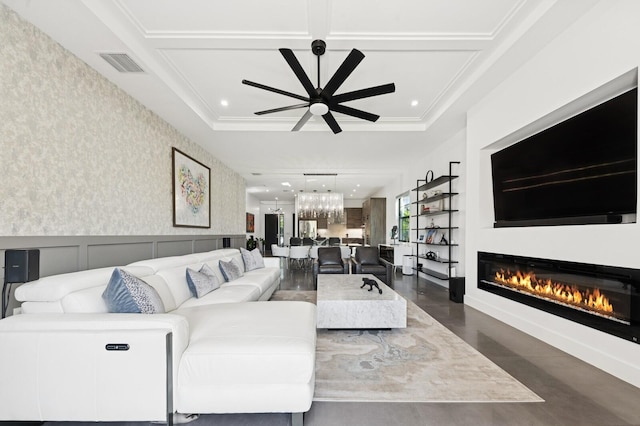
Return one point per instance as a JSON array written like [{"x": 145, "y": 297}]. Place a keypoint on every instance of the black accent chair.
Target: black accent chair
[
  {"x": 367, "y": 261},
  {"x": 295, "y": 241},
  {"x": 329, "y": 261}
]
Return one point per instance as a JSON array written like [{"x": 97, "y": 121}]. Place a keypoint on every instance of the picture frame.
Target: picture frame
[
  {"x": 431, "y": 234},
  {"x": 250, "y": 222},
  {"x": 191, "y": 191},
  {"x": 421, "y": 238}
]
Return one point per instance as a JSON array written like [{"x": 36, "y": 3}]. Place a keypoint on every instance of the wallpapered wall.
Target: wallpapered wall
[{"x": 81, "y": 157}]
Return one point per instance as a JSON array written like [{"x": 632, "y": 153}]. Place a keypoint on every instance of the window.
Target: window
[{"x": 403, "y": 203}]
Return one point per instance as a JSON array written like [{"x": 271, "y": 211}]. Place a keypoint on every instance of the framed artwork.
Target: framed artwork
[
  {"x": 421, "y": 238},
  {"x": 431, "y": 234},
  {"x": 250, "y": 222},
  {"x": 191, "y": 192}
]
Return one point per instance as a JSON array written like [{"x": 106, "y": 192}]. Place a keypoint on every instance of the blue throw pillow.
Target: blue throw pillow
[
  {"x": 201, "y": 282},
  {"x": 127, "y": 293},
  {"x": 230, "y": 270}
]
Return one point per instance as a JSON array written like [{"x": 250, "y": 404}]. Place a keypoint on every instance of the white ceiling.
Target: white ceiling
[{"x": 444, "y": 54}]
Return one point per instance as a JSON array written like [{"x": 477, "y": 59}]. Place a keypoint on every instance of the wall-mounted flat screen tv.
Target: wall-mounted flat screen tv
[{"x": 582, "y": 170}]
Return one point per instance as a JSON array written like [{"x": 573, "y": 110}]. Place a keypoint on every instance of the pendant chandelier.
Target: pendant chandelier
[{"x": 314, "y": 205}]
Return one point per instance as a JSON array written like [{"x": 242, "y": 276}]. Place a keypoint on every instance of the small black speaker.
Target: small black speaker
[
  {"x": 226, "y": 242},
  {"x": 21, "y": 266},
  {"x": 456, "y": 289}
]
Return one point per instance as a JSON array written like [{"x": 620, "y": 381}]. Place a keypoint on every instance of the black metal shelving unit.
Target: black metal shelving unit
[{"x": 422, "y": 213}]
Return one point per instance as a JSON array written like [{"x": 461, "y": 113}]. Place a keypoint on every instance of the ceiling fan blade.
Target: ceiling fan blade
[
  {"x": 364, "y": 93},
  {"x": 355, "y": 112},
  {"x": 307, "y": 115},
  {"x": 331, "y": 121},
  {"x": 287, "y": 108},
  {"x": 273, "y": 89},
  {"x": 344, "y": 71},
  {"x": 298, "y": 71}
]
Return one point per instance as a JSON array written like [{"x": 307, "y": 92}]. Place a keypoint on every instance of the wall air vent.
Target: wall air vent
[
  {"x": 121, "y": 61},
  {"x": 320, "y": 174}
]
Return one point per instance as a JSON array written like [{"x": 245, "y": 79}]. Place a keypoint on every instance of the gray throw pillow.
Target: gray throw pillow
[
  {"x": 201, "y": 282},
  {"x": 230, "y": 270},
  {"x": 127, "y": 293},
  {"x": 252, "y": 259}
]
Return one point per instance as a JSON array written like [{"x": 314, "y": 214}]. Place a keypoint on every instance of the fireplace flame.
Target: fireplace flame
[{"x": 592, "y": 300}]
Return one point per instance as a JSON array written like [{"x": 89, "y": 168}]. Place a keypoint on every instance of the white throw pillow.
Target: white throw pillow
[
  {"x": 252, "y": 259},
  {"x": 230, "y": 270},
  {"x": 202, "y": 282}
]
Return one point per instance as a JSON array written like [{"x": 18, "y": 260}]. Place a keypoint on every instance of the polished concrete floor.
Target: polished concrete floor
[{"x": 575, "y": 393}]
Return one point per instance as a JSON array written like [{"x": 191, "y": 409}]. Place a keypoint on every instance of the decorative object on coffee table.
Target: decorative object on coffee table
[{"x": 371, "y": 284}]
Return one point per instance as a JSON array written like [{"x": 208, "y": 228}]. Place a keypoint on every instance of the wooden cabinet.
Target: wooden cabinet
[
  {"x": 374, "y": 218},
  {"x": 322, "y": 223},
  {"x": 354, "y": 217}
]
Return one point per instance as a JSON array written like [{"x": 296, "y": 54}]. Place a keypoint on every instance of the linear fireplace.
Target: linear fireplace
[{"x": 606, "y": 298}]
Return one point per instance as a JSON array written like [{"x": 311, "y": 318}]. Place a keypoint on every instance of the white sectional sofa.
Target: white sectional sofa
[{"x": 66, "y": 358}]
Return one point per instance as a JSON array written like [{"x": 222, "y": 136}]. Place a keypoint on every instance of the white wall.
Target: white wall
[
  {"x": 438, "y": 161},
  {"x": 253, "y": 206},
  {"x": 81, "y": 157},
  {"x": 600, "y": 47}
]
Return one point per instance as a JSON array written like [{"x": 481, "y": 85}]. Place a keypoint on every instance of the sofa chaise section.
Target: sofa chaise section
[{"x": 225, "y": 352}]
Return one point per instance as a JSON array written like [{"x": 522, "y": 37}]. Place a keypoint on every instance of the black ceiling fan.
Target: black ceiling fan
[{"x": 322, "y": 101}]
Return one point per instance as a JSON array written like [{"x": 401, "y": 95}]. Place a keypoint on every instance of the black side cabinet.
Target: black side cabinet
[{"x": 456, "y": 289}]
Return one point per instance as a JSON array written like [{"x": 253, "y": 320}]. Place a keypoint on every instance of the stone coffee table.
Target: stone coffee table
[{"x": 343, "y": 304}]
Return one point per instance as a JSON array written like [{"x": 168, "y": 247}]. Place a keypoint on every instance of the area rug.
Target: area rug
[{"x": 423, "y": 363}]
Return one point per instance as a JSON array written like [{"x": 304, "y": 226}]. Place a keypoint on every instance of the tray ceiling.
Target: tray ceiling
[{"x": 442, "y": 56}]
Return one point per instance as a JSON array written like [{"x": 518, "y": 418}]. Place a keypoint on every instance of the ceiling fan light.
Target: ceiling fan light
[{"x": 318, "y": 108}]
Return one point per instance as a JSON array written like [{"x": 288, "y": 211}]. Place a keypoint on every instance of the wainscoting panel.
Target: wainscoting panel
[
  {"x": 58, "y": 260},
  {"x": 207, "y": 245},
  {"x": 101, "y": 255},
  {"x": 76, "y": 253},
  {"x": 174, "y": 248}
]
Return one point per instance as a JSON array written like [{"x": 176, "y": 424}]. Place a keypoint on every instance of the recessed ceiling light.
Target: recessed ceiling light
[
  {"x": 267, "y": 190},
  {"x": 354, "y": 190},
  {"x": 414, "y": 103},
  {"x": 224, "y": 103},
  {"x": 358, "y": 185},
  {"x": 286, "y": 184}
]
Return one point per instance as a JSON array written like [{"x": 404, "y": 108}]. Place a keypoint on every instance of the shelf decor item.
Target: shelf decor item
[
  {"x": 191, "y": 192},
  {"x": 431, "y": 233}
]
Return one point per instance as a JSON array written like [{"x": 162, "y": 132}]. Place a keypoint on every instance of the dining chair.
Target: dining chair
[{"x": 299, "y": 255}]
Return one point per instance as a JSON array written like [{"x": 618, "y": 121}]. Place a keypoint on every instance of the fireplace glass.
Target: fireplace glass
[{"x": 598, "y": 296}]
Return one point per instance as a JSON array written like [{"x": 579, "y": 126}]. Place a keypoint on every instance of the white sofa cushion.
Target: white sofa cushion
[
  {"x": 245, "y": 344},
  {"x": 263, "y": 279},
  {"x": 176, "y": 279},
  {"x": 161, "y": 263},
  {"x": 55, "y": 287},
  {"x": 227, "y": 294},
  {"x": 87, "y": 301}
]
